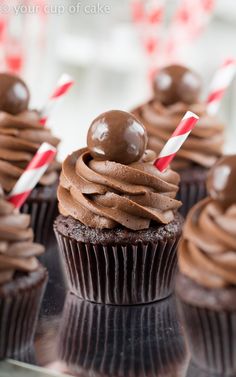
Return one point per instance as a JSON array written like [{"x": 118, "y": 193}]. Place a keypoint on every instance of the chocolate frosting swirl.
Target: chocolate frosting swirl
[
  {"x": 17, "y": 250},
  {"x": 207, "y": 252},
  {"x": 204, "y": 145},
  {"x": 20, "y": 137},
  {"x": 107, "y": 194}
]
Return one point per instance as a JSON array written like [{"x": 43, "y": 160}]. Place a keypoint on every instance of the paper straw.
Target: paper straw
[
  {"x": 188, "y": 23},
  {"x": 32, "y": 174},
  {"x": 176, "y": 141},
  {"x": 220, "y": 84},
  {"x": 62, "y": 87}
]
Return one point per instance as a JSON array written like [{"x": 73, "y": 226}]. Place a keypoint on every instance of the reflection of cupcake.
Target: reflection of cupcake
[
  {"x": 195, "y": 371},
  {"x": 118, "y": 229},
  {"x": 206, "y": 284},
  {"x": 22, "y": 281},
  {"x": 176, "y": 90},
  {"x": 108, "y": 340},
  {"x": 21, "y": 134}
]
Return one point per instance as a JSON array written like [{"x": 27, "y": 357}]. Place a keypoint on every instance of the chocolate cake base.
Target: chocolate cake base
[
  {"x": 192, "y": 187},
  {"x": 209, "y": 319},
  {"x": 119, "y": 266},
  {"x": 20, "y": 302},
  {"x": 105, "y": 340}
]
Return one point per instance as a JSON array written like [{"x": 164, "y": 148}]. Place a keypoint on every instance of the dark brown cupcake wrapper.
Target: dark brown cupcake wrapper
[
  {"x": 191, "y": 191},
  {"x": 110, "y": 340},
  {"x": 119, "y": 274},
  {"x": 42, "y": 206},
  {"x": 43, "y": 212},
  {"x": 211, "y": 338},
  {"x": 18, "y": 316},
  {"x": 195, "y": 371}
]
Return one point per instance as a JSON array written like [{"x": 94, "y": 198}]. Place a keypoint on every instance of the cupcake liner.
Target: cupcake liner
[
  {"x": 195, "y": 371},
  {"x": 42, "y": 207},
  {"x": 120, "y": 340},
  {"x": 118, "y": 274},
  {"x": 192, "y": 188},
  {"x": 211, "y": 338},
  {"x": 19, "y": 309}
]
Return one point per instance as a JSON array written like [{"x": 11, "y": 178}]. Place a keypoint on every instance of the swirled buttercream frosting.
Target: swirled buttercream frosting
[
  {"x": 207, "y": 252},
  {"x": 108, "y": 194},
  {"x": 203, "y": 146},
  {"x": 20, "y": 137},
  {"x": 17, "y": 251}
]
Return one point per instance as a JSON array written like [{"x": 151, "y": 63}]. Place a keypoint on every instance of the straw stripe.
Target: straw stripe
[
  {"x": 62, "y": 87},
  {"x": 176, "y": 141},
  {"x": 32, "y": 174},
  {"x": 219, "y": 85}
]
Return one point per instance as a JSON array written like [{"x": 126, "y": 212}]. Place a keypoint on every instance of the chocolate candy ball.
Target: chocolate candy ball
[
  {"x": 117, "y": 136},
  {"x": 221, "y": 182},
  {"x": 176, "y": 84},
  {"x": 14, "y": 94}
]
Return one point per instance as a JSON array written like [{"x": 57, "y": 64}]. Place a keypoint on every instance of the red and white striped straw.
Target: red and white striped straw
[
  {"x": 176, "y": 141},
  {"x": 32, "y": 174},
  {"x": 219, "y": 85},
  {"x": 63, "y": 85}
]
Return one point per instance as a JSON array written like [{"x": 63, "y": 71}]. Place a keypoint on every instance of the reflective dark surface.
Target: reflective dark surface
[{"x": 85, "y": 339}]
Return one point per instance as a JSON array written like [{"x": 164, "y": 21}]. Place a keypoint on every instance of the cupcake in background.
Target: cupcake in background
[
  {"x": 206, "y": 283},
  {"x": 119, "y": 227},
  {"x": 22, "y": 281},
  {"x": 21, "y": 134},
  {"x": 177, "y": 89},
  {"x": 110, "y": 340}
]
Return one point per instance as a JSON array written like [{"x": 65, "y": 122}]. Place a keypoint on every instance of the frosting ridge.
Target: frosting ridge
[
  {"x": 207, "y": 252},
  {"x": 17, "y": 250},
  {"x": 203, "y": 146},
  {"x": 20, "y": 137},
  {"x": 107, "y": 194}
]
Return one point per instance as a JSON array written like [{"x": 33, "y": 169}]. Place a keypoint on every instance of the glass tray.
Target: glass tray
[{"x": 80, "y": 338}]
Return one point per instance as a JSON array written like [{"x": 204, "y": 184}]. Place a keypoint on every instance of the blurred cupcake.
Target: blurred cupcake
[
  {"x": 119, "y": 227},
  {"x": 108, "y": 340},
  {"x": 176, "y": 90},
  {"x": 21, "y": 134},
  {"x": 206, "y": 284},
  {"x": 22, "y": 281}
]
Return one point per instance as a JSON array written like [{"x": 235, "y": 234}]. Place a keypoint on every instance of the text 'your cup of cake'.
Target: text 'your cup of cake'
[
  {"x": 206, "y": 283},
  {"x": 119, "y": 226}
]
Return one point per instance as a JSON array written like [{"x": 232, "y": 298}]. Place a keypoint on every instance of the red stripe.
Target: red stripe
[
  {"x": 229, "y": 62},
  {"x": 40, "y": 159},
  {"x": 216, "y": 96},
  {"x": 62, "y": 89},
  {"x": 185, "y": 126},
  {"x": 163, "y": 162},
  {"x": 43, "y": 121},
  {"x": 138, "y": 13},
  {"x": 18, "y": 200}
]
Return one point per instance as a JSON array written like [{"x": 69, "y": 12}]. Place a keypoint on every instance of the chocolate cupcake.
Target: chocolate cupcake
[
  {"x": 206, "y": 283},
  {"x": 22, "y": 281},
  {"x": 109, "y": 340},
  {"x": 21, "y": 134},
  {"x": 176, "y": 90},
  {"x": 119, "y": 227}
]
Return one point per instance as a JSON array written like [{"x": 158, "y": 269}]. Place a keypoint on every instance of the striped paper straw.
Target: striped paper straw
[
  {"x": 176, "y": 141},
  {"x": 62, "y": 87},
  {"x": 32, "y": 174},
  {"x": 219, "y": 85}
]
